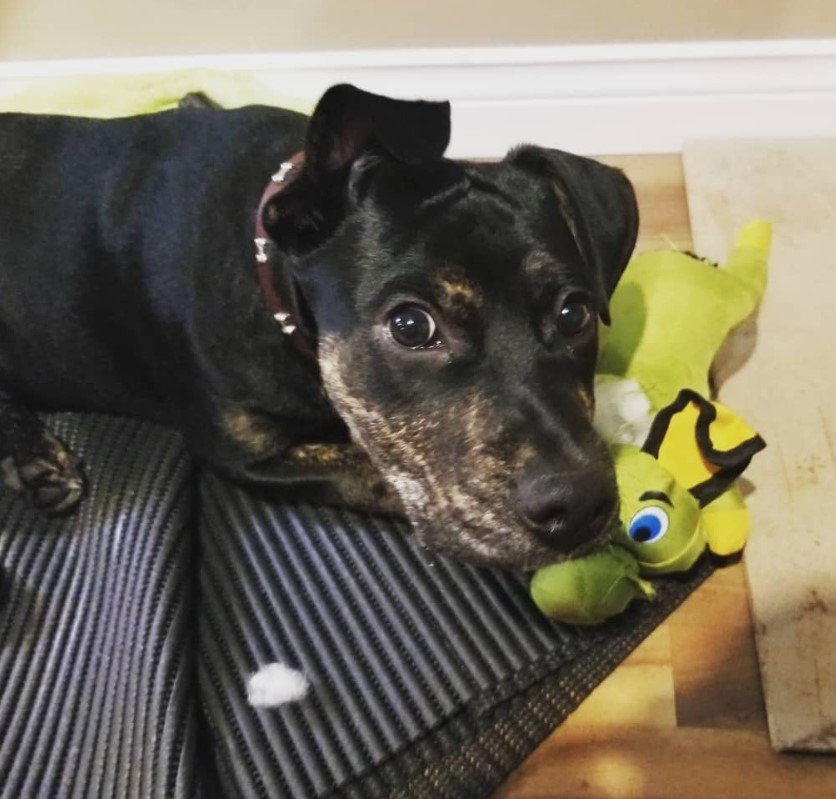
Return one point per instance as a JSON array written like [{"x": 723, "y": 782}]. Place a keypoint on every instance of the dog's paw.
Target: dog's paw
[{"x": 50, "y": 478}]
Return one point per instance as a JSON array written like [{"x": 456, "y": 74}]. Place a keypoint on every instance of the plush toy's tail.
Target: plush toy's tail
[{"x": 748, "y": 260}]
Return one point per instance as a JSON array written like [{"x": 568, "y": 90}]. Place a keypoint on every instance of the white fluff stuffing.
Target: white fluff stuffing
[
  {"x": 276, "y": 684},
  {"x": 623, "y": 413}
]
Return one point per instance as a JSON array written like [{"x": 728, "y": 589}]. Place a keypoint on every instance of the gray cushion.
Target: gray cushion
[
  {"x": 127, "y": 633},
  {"x": 97, "y": 696}
]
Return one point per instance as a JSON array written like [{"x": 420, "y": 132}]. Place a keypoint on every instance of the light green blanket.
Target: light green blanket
[{"x": 126, "y": 95}]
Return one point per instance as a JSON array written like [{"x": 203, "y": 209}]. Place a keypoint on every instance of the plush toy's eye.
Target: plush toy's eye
[
  {"x": 412, "y": 326},
  {"x": 574, "y": 314},
  {"x": 648, "y": 525}
]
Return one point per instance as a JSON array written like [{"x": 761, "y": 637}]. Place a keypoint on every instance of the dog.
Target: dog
[{"x": 381, "y": 328}]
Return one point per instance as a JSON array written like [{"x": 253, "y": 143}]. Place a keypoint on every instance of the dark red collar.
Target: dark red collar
[{"x": 287, "y": 324}]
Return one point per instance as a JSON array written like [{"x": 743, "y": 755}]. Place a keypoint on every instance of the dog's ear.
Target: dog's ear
[
  {"x": 599, "y": 207},
  {"x": 349, "y": 122},
  {"x": 350, "y": 128}
]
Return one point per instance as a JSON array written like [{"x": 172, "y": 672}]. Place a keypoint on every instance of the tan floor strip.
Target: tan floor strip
[{"x": 781, "y": 376}]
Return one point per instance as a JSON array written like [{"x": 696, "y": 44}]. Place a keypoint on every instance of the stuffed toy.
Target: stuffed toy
[
  {"x": 672, "y": 312},
  {"x": 674, "y": 490},
  {"x": 676, "y": 454},
  {"x": 675, "y": 503}
]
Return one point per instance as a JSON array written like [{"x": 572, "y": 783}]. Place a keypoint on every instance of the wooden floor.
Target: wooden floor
[{"x": 682, "y": 717}]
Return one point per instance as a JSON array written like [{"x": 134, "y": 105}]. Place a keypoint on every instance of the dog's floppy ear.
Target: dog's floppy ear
[
  {"x": 598, "y": 205},
  {"x": 347, "y": 125},
  {"x": 349, "y": 122}
]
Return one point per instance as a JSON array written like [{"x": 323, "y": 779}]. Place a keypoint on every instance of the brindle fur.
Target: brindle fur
[{"x": 451, "y": 501}]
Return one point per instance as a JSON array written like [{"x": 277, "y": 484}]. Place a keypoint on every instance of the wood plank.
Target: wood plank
[
  {"x": 660, "y": 190},
  {"x": 713, "y": 657},
  {"x": 786, "y": 389},
  {"x": 648, "y": 762},
  {"x": 640, "y": 691}
]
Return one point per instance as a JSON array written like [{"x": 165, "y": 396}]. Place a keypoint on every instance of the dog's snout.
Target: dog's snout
[{"x": 566, "y": 509}]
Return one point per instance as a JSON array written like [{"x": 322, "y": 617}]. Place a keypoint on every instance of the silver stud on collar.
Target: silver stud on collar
[
  {"x": 260, "y": 249},
  {"x": 285, "y": 322},
  {"x": 283, "y": 318},
  {"x": 279, "y": 176}
]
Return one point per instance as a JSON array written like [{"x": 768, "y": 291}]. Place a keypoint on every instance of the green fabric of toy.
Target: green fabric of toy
[
  {"x": 676, "y": 454},
  {"x": 596, "y": 587},
  {"x": 672, "y": 312}
]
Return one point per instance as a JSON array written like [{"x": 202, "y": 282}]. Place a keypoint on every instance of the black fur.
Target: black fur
[{"x": 127, "y": 279}]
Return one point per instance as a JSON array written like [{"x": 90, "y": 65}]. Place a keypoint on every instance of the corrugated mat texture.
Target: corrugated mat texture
[
  {"x": 413, "y": 660},
  {"x": 97, "y": 691},
  {"x": 127, "y": 634}
]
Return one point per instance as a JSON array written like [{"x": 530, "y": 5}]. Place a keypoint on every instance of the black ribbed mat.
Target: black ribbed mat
[
  {"x": 409, "y": 657},
  {"x": 472, "y": 754},
  {"x": 96, "y": 643},
  {"x": 430, "y": 679},
  {"x": 393, "y": 643}
]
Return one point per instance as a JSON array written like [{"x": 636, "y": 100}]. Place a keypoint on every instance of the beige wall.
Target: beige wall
[{"x": 31, "y": 29}]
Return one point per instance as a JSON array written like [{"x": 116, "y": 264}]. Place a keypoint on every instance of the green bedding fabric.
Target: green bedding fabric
[{"x": 126, "y": 95}]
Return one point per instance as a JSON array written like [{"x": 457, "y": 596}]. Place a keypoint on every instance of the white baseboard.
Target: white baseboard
[{"x": 594, "y": 99}]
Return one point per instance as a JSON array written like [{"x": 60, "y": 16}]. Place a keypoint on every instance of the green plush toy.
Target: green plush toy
[
  {"x": 676, "y": 454},
  {"x": 592, "y": 589},
  {"x": 675, "y": 502},
  {"x": 674, "y": 492},
  {"x": 672, "y": 312}
]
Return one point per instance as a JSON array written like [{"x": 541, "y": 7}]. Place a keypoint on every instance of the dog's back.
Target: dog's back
[{"x": 105, "y": 226}]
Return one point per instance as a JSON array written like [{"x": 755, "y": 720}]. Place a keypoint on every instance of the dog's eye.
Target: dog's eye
[
  {"x": 648, "y": 525},
  {"x": 412, "y": 326},
  {"x": 575, "y": 314}
]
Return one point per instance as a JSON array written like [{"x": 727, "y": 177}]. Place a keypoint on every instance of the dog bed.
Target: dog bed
[{"x": 128, "y": 632}]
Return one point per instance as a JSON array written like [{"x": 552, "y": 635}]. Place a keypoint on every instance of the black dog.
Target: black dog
[{"x": 451, "y": 306}]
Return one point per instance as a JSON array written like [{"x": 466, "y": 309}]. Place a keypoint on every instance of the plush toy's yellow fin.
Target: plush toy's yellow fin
[
  {"x": 756, "y": 235},
  {"x": 704, "y": 445},
  {"x": 749, "y": 259},
  {"x": 726, "y": 523}
]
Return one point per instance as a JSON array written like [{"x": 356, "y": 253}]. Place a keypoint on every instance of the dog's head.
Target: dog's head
[{"x": 456, "y": 308}]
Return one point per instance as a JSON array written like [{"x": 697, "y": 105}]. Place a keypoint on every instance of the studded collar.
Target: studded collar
[{"x": 278, "y": 308}]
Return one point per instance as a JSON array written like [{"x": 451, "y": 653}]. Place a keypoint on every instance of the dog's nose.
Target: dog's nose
[{"x": 566, "y": 510}]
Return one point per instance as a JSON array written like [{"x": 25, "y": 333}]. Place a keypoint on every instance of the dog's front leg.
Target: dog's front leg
[
  {"x": 35, "y": 463},
  {"x": 266, "y": 453},
  {"x": 329, "y": 474}
]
